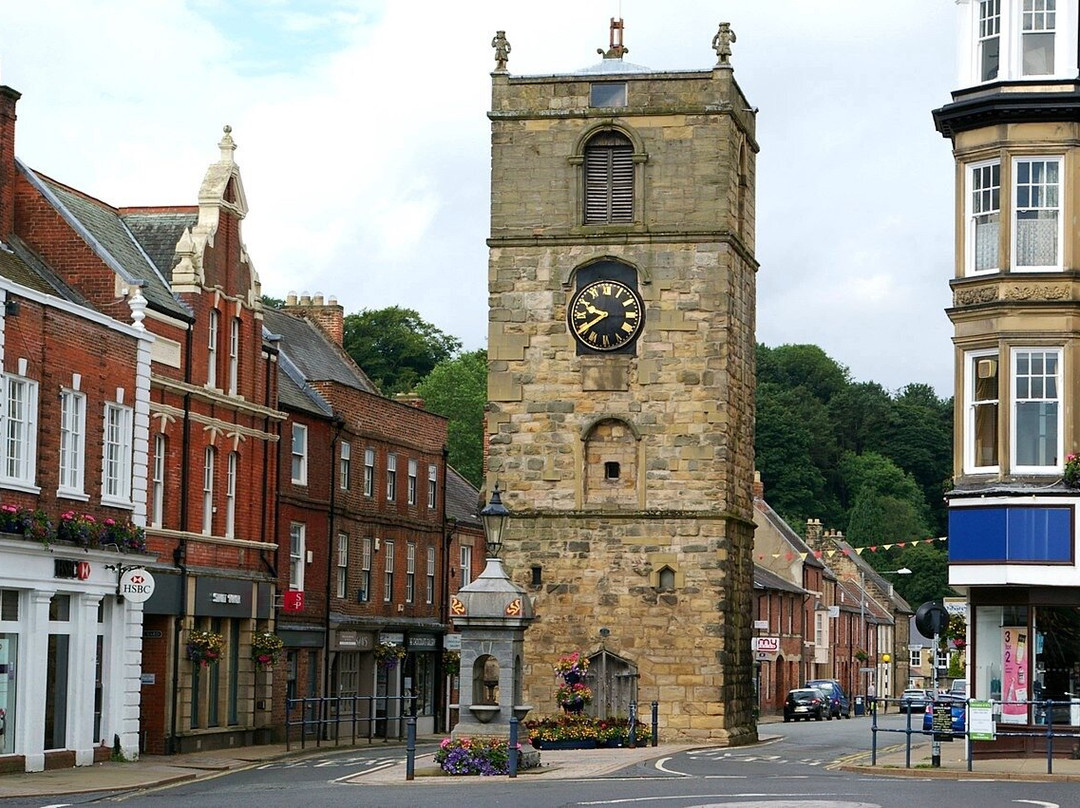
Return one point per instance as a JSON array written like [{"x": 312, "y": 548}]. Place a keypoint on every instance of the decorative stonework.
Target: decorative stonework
[
  {"x": 1037, "y": 291},
  {"x": 971, "y": 297}
]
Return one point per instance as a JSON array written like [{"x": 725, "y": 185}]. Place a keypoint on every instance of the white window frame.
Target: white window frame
[
  {"x": 432, "y": 485},
  {"x": 157, "y": 482},
  {"x": 820, "y": 638},
  {"x": 1006, "y": 25},
  {"x": 345, "y": 465},
  {"x": 941, "y": 658},
  {"x": 369, "y": 472},
  {"x": 971, "y": 407},
  {"x": 1047, "y": 189},
  {"x": 465, "y": 562},
  {"x": 1037, "y": 21},
  {"x": 116, "y": 455},
  {"x": 209, "y": 458},
  {"x": 234, "y": 356},
  {"x": 987, "y": 29},
  {"x": 297, "y": 553},
  {"x": 982, "y": 201},
  {"x": 72, "y": 444},
  {"x": 299, "y": 454},
  {"x": 391, "y": 477},
  {"x": 410, "y": 571},
  {"x": 411, "y": 491},
  {"x": 365, "y": 571},
  {"x": 915, "y": 657},
  {"x": 429, "y": 595},
  {"x": 212, "y": 347},
  {"x": 231, "y": 471},
  {"x": 1015, "y": 401},
  {"x": 342, "y": 565},
  {"x": 20, "y": 416},
  {"x": 388, "y": 571}
]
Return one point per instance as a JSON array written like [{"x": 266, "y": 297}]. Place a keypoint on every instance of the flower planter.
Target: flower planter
[{"x": 579, "y": 744}]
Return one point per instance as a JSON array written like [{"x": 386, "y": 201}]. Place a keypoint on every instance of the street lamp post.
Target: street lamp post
[{"x": 886, "y": 657}]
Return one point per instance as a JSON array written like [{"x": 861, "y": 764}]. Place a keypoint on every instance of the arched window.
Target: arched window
[{"x": 609, "y": 179}]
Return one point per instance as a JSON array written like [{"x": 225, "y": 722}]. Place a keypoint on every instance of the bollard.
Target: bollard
[
  {"x": 633, "y": 724},
  {"x": 410, "y": 748},
  {"x": 655, "y": 722},
  {"x": 513, "y": 746}
]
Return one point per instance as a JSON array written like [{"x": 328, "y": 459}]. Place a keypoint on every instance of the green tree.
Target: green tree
[
  {"x": 396, "y": 347},
  {"x": 919, "y": 439},
  {"x": 802, "y": 366},
  {"x": 457, "y": 388}
]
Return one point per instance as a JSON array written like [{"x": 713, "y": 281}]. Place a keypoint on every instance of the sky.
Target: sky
[{"x": 364, "y": 145}]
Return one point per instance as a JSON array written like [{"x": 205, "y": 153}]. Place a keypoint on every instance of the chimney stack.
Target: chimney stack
[
  {"x": 758, "y": 488},
  {"x": 8, "y": 99},
  {"x": 328, "y": 315}
]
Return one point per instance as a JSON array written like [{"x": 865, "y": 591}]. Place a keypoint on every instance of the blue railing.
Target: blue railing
[{"x": 1043, "y": 712}]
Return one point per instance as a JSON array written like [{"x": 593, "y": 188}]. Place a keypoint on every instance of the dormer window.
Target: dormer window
[
  {"x": 1018, "y": 39},
  {"x": 1039, "y": 21}
]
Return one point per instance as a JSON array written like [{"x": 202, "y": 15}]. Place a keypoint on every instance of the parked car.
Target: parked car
[
  {"x": 915, "y": 699},
  {"x": 958, "y": 710},
  {"x": 840, "y": 704},
  {"x": 805, "y": 702},
  {"x": 958, "y": 689}
]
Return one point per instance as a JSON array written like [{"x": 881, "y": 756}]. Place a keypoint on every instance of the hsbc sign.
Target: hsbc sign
[
  {"x": 66, "y": 568},
  {"x": 136, "y": 585}
]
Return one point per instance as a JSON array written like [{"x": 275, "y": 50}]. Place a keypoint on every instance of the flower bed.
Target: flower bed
[
  {"x": 479, "y": 755},
  {"x": 585, "y": 732}
]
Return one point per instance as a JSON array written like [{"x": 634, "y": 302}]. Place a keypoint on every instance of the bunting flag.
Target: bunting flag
[{"x": 832, "y": 551}]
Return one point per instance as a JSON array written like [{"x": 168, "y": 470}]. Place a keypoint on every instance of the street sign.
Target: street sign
[
  {"x": 942, "y": 721},
  {"x": 761, "y": 625},
  {"x": 866, "y": 670},
  {"x": 981, "y": 721}
]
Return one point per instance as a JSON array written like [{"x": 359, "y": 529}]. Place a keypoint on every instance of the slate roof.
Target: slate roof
[
  {"x": 103, "y": 229},
  {"x": 462, "y": 499},
  {"x": 18, "y": 263},
  {"x": 767, "y": 579},
  {"x": 871, "y": 575},
  {"x": 313, "y": 354},
  {"x": 159, "y": 232},
  {"x": 789, "y": 535},
  {"x": 295, "y": 393}
]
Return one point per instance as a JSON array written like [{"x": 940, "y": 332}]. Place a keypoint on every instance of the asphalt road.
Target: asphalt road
[{"x": 797, "y": 771}]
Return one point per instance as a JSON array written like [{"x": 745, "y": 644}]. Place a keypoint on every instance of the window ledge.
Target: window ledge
[
  {"x": 19, "y": 485},
  {"x": 81, "y": 496},
  {"x": 116, "y": 502}
]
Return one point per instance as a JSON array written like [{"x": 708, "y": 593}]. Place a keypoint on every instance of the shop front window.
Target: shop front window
[
  {"x": 9, "y": 652},
  {"x": 1055, "y": 655}
]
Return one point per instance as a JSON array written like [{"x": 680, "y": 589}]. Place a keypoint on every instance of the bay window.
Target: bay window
[
  {"x": 1037, "y": 213},
  {"x": 984, "y": 217},
  {"x": 982, "y": 417},
  {"x": 1036, "y": 410}
]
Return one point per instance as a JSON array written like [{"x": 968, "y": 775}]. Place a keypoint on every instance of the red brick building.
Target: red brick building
[{"x": 74, "y": 415}]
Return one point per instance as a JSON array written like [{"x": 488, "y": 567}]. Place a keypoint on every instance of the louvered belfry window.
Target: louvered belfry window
[{"x": 609, "y": 179}]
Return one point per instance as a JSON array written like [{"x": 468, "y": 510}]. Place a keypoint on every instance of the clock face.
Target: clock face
[{"x": 605, "y": 315}]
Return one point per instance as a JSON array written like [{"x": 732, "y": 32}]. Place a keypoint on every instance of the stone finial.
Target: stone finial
[
  {"x": 615, "y": 49},
  {"x": 502, "y": 51},
  {"x": 137, "y": 304},
  {"x": 227, "y": 145},
  {"x": 722, "y": 44}
]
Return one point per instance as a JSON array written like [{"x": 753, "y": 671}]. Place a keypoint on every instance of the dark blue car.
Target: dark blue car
[
  {"x": 839, "y": 703},
  {"x": 958, "y": 709}
]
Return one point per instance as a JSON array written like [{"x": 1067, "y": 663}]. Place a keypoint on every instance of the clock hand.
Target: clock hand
[{"x": 600, "y": 315}]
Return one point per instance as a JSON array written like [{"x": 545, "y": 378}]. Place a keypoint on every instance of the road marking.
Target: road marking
[
  {"x": 1039, "y": 803},
  {"x": 660, "y": 766},
  {"x": 349, "y": 777}
]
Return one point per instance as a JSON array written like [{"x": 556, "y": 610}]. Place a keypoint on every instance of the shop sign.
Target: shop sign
[
  {"x": 452, "y": 642},
  {"x": 422, "y": 642},
  {"x": 67, "y": 568},
  {"x": 293, "y": 601},
  {"x": 395, "y": 637},
  {"x": 767, "y": 645},
  {"x": 136, "y": 585},
  {"x": 353, "y": 640},
  {"x": 223, "y": 597}
]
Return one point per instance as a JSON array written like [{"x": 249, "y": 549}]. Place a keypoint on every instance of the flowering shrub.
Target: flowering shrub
[
  {"x": 205, "y": 647},
  {"x": 583, "y": 728},
  {"x": 573, "y": 697},
  {"x": 485, "y": 756},
  {"x": 33, "y": 524},
  {"x": 125, "y": 535},
  {"x": 1072, "y": 471},
  {"x": 389, "y": 654},
  {"x": 573, "y": 664},
  {"x": 265, "y": 648},
  {"x": 78, "y": 528}
]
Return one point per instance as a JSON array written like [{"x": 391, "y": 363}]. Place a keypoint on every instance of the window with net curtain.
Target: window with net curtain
[
  {"x": 985, "y": 186},
  {"x": 1038, "y": 203},
  {"x": 609, "y": 179}
]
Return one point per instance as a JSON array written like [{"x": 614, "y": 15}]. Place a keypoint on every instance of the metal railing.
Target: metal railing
[
  {"x": 347, "y": 719},
  {"x": 1043, "y": 711}
]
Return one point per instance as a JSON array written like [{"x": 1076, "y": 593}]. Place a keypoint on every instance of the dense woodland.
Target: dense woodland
[{"x": 872, "y": 463}]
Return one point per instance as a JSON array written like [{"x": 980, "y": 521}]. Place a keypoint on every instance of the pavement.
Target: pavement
[{"x": 154, "y": 771}]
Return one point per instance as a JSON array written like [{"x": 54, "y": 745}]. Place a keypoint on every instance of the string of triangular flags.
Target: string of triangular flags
[{"x": 872, "y": 548}]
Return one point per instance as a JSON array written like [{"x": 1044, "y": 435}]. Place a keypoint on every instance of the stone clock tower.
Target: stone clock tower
[{"x": 621, "y": 380}]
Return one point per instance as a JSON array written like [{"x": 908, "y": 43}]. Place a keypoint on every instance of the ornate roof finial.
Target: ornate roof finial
[
  {"x": 502, "y": 51},
  {"x": 227, "y": 145},
  {"x": 722, "y": 44},
  {"x": 616, "y": 50}
]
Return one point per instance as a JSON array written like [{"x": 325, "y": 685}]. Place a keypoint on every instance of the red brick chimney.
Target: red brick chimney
[
  {"x": 328, "y": 315},
  {"x": 8, "y": 98}
]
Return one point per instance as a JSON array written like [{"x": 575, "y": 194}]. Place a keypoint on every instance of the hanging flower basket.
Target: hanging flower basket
[
  {"x": 205, "y": 647},
  {"x": 265, "y": 648},
  {"x": 573, "y": 697},
  {"x": 389, "y": 654},
  {"x": 1071, "y": 477},
  {"x": 451, "y": 661}
]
